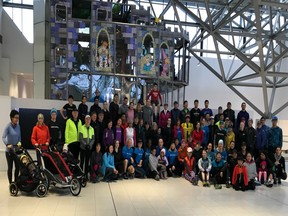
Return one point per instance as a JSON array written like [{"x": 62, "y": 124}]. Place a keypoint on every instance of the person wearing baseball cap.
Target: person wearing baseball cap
[
  {"x": 189, "y": 167},
  {"x": 275, "y": 137},
  {"x": 86, "y": 139},
  {"x": 72, "y": 128}
]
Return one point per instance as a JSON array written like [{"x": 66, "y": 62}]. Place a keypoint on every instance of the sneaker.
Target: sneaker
[
  {"x": 218, "y": 186},
  {"x": 279, "y": 180},
  {"x": 157, "y": 178},
  {"x": 228, "y": 185},
  {"x": 125, "y": 176}
]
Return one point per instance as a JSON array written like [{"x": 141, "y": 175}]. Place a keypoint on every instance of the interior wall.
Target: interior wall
[{"x": 16, "y": 59}]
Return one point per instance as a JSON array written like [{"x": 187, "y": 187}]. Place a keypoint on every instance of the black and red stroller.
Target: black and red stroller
[
  {"x": 57, "y": 171},
  {"x": 31, "y": 177},
  {"x": 74, "y": 166}
]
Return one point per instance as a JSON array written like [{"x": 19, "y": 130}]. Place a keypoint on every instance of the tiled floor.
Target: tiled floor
[{"x": 147, "y": 198}]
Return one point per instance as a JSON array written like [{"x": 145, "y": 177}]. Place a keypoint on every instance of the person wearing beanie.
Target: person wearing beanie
[
  {"x": 240, "y": 175},
  {"x": 162, "y": 164},
  {"x": 40, "y": 135},
  {"x": 11, "y": 138},
  {"x": 55, "y": 131},
  {"x": 221, "y": 149}
]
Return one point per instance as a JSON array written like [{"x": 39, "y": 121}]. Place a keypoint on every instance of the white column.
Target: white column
[{"x": 40, "y": 61}]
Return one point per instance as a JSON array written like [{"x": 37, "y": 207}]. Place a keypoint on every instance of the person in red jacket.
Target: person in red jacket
[
  {"x": 240, "y": 176},
  {"x": 198, "y": 134},
  {"x": 40, "y": 134},
  {"x": 164, "y": 116},
  {"x": 155, "y": 95}
]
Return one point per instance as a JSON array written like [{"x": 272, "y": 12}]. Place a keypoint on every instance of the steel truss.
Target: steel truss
[{"x": 258, "y": 31}]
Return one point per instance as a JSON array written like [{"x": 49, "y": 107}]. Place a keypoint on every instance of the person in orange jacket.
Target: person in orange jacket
[
  {"x": 40, "y": 135},
  {"x": 182, "y": 153},
  {"x": 189, "y": 173},
  {"x": 240, "y": 176}
]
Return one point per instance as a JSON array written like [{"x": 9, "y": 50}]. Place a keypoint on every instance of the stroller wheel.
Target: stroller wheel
[
  {"x": 83, "y": 182},
  {"x": 41, "y": 190},
  {"x": 13, "y": 189},
  {"x": 75, "y": 187}
]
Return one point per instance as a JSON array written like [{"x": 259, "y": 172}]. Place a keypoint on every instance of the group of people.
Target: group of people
[{"x": 120, "y": 141}]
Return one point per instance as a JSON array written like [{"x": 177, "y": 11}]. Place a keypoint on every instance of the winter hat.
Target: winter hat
[
  {"x": 189, "y": 149},
  {"x": 220, "y": 141},
  {"x": 163, "y": 150},
  {"x": 53, "y": 110}
]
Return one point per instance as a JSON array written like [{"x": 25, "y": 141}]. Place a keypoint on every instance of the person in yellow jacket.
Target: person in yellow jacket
[
  {"x": 187, "y": 128},
  {"x": 72, "y": 128},
  {"x": 86, "y": 139},
  {"x": 230, "y": 136}
]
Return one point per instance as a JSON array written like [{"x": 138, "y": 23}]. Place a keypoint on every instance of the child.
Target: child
[
  {"x": 31, "y": 168},
  {"x": 172, "y": 156},
  {"x": 96, "y": 162},
  {"x": 262, "y": 171},
  {"x": 205, "y": 165},
  {"x": 189, "y": 173},
  {"x": 240, "y": 176},
  {"x": 162, "y": 164}
]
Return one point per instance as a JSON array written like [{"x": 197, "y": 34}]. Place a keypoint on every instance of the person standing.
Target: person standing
[
  {"x": 40, "y": 135},
  {"x": 95, "y": 107},
  {"x": 11, "y": 138},
  {"x": 86, "y": 139},
  {"x": 242, "y": 115},
  {"x": 68, "y": 108},
  {"x": 123, "y": 109},
  {"x": 164, "y": 116},
  {"x": 108, "y": 136},
  {"x": 230, "y": 113},
  {"x": 251, "y": 136},
  {"x": 275, "y": 138},
  {"x": 206, "y": 110},
  {"x": 106, "y": 112},
  {"x": 114, "y": 109},
  {"x": 175, "y": 114},
  {"x": 184, "y": 111},
  {"x": 55, "y": 131},
  {"x": 83, "y": 109},
  {"x": 195, "y": 113},
  {"x": 72, "y": 133},
  {"x": 148, "y": 113}
]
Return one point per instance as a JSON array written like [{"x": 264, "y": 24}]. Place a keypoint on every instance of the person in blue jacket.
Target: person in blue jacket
[
  {"x": 275, "y": 137},
  {"x": 127, "y": 154},
  {"x": 219, "y": 171},
  {"x": 108, "y": 168},
  {"x": 139, "y": 156},
  {"x": 160, "y": 146},
  {"x": 12, "y": 138},
  {"x": 172, "y": 156}
]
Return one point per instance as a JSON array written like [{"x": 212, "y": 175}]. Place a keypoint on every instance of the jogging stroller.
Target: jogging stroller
[
  {"x": 31, "y": 177},
  {"x": 74, "y": 166},
  {"x": 57, "y": 171}
]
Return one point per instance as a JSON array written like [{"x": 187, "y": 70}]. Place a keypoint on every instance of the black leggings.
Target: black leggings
[
  {"x": 74, "y": 148},
  {"x": 10, "y": 159},
  {"x": 109, "y": 174},
  {"x": 85, "y": 157}
]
